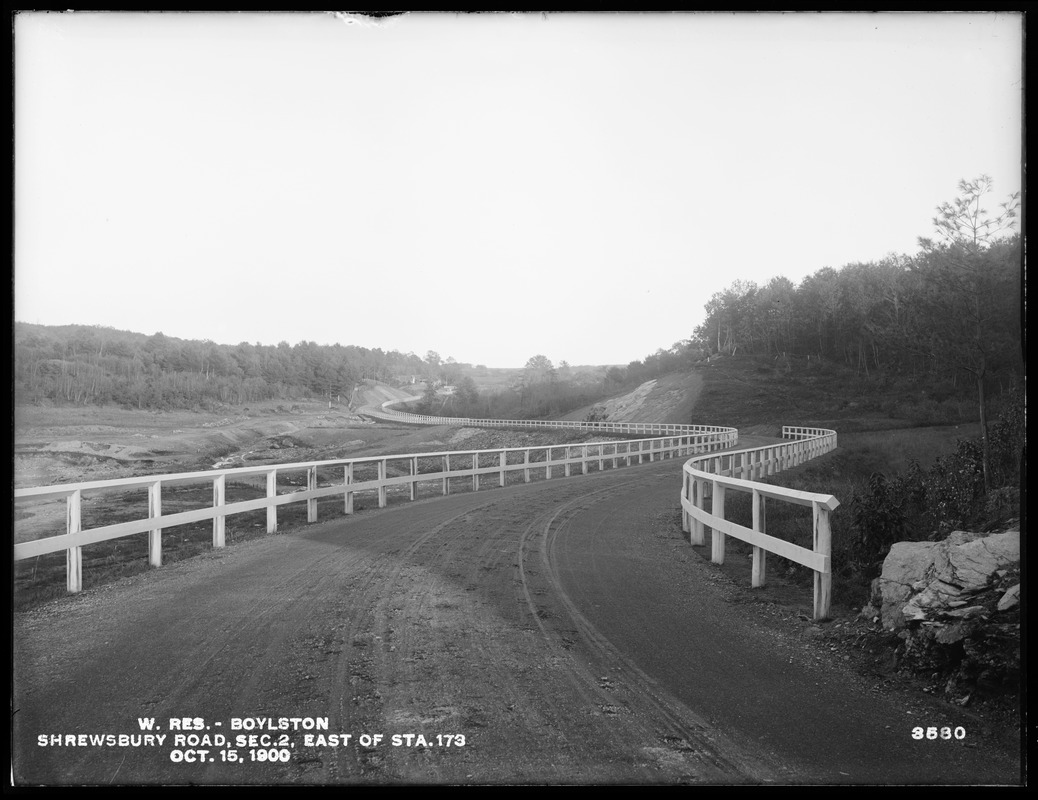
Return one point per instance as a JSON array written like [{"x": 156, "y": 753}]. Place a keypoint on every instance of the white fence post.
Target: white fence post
[
  {"x": 155, "y": 534},
  {"x": 698, "y": 533},
  {"x": 823, "y": 546},
  {"x": 414, "y": 474},
  {"x": 758, "y": 573},
  {"x": 219, "y": 521},
  {"x": 347, "y": 479},
  {"x": 272, "y": 510},
  {"x": 716, "y": 537},
  {"x": 383, "y": 471},
  {"x": 74, "y": 555},
  {"x": 311, "y": 502},
  {"x": 686, "y": 494}
]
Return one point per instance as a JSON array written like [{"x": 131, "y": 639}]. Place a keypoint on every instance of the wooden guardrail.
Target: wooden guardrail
[
  {"x": 388, "y": 413},
  {"x": 704, "y": 476},
  {"x": 370, "y": 474},
  {"x": 711, "y": 476}
]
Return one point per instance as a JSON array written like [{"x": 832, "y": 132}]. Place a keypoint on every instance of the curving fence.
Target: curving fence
[
  {"x": 388, "y": 414},
  {"x": 346, "y": 478},
  {"x": 710, "y": 477}
]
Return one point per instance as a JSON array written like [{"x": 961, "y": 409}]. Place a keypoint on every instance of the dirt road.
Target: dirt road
[{"x": 552, "y": 633}]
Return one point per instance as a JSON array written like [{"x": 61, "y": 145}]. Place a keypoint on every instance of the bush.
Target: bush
[
  {"x": 955, "y": 486},
  {"x": 885, "y": 512},
  {"x": 1006, "y": 440},
  {"x": 919, "y": 504}
]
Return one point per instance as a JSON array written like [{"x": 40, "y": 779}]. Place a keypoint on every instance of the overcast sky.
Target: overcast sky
[{"x": 489, "y": 187}]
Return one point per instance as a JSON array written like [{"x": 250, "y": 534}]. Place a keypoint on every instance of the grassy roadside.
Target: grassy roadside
[
  {"x": 907, "y": 469},
  {"x": 888, "y": 427},
  {"x": 751, "y": 390}
]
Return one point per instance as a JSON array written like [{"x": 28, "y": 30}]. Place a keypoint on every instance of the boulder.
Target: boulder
[
  {"x": 1010, "y": 599},
  {"x": 907, "y": 565},
  {"x": 954, "y": 605},
  {"x": 969, "y": 561},
  {"x": 936, "y": 598},
  {"x": 931, "y": 580}
]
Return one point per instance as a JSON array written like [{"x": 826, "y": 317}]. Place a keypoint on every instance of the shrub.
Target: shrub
[
  {"x": 1006, "y": 439},
  {"x": 955, "y": 486},
  {"x": 884, "y": 512},
  {"x": 919, "y": 504}
]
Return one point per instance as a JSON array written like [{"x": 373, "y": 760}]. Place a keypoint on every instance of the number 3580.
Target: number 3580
[{"x": 934, "y": 732}]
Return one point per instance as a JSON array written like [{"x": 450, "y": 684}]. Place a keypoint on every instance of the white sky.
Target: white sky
[{"x": 490, "y": 187}]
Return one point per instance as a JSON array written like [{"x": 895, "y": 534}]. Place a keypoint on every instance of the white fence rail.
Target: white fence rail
[
  {"x": 711, "y": 476},
  {"x": 387, "y": 413},
  {"x": 347, "y": 479}
]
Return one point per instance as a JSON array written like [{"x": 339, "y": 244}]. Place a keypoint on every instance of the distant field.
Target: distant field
[
  {"x": 496, "y": 380},
  {"x": 894, "y": 450}
]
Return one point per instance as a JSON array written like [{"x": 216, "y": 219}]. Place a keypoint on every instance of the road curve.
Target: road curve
[{"x": 565, "y": 628}]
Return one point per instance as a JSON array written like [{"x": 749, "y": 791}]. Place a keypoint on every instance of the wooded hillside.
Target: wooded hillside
[
  {"x": 92, "y": 364},
  {"x": 949, "y": 316}
]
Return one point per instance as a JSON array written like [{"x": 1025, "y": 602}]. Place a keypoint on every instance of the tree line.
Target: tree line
[
  {"x": 83, "y": 364},
  {"x": 953, "y": 307},
  {"x": 952, "y": 312},
  {"x": 97, "y": 365},
  {"x": 541, "y": 390}
]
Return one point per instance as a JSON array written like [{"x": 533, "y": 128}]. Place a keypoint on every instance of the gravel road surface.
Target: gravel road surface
[{"x": 560, "y": 632}]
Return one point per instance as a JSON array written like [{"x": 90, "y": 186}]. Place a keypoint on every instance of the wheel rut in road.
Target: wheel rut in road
[
  {"x": 618, "y": 687},
  {"x": 565, "y": 628}
]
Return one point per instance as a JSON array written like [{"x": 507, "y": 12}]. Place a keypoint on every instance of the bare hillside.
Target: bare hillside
[
  {"x": 373, "y": 393},
  {"x": 670, "y": 398}
]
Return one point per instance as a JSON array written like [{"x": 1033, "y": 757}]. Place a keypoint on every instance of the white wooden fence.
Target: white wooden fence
[
  {"x": 387, "y": 413},
  {"x": 711, "y": 476},
  {"x": 704, "y": 476},
  {"x": 343, "y": 478}
]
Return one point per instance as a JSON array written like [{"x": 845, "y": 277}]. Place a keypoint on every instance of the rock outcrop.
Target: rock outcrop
[
  {"x": 955, "y": 606},
  {"x": 934, "y": 580}
]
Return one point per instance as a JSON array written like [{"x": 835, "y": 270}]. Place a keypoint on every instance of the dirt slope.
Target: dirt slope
[
  {"x": 59, "y": 445},
  {"x": 373, "y": 393},
  {"x": 670, "y": 398},
  {"x": 63, "y": 445}
]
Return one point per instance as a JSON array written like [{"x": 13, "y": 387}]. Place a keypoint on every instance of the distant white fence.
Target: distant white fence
[
  {"x": 389, "y": 414},
  {"x": 711, "y": 476},
  {"x": 349, "y": 478},
  {"x": 704, "y": 476}
]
